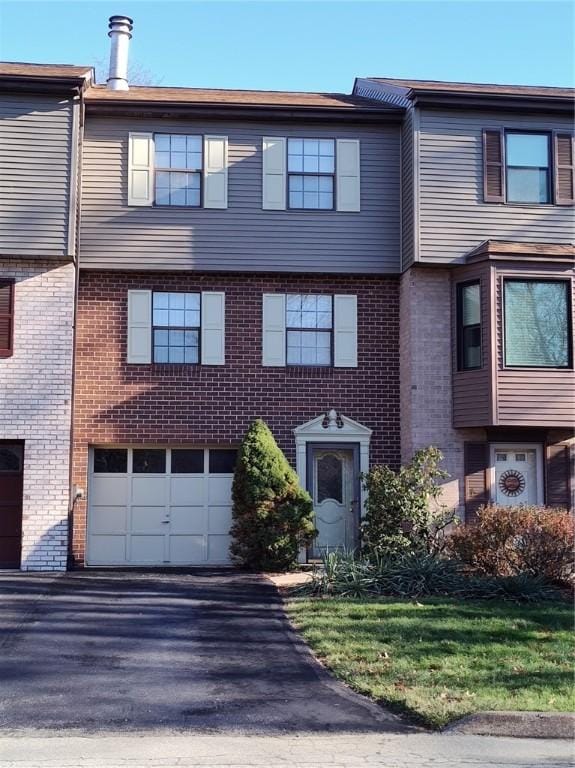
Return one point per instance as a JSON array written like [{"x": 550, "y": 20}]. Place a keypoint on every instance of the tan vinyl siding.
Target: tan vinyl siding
[
  {"x": 453, "y": 217},
  {"x": 408, "y": 211},
  {"x": 242, "y": 237},
  {"x": 35, "y": 161}
]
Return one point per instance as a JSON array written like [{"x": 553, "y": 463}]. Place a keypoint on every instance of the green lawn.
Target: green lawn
[{"x": 439, "y": 659}]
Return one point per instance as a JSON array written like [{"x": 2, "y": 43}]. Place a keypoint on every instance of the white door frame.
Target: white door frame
[
  {"x": 332, "y": 427},
  {"x": 538, "y": 447}
]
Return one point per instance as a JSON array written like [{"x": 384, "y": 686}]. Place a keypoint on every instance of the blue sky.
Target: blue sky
[{"x": 301, "y": 45}]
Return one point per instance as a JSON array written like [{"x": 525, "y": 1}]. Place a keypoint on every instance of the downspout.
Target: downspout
[{"x": 72, "y": 491}]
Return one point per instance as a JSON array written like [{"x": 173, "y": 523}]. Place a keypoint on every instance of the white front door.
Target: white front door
[
  {"x": 334, "y": 502},
  {"x": 516, "y": 477}
]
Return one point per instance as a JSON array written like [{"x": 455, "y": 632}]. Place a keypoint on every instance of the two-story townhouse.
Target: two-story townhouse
[
  {"x": 488, "y": 228},
  {"x": 239, "y": 258},
  {"x": 40, "y": 110}
]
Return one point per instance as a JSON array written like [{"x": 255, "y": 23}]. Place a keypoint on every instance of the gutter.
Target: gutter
[
  {"x": 155, "y": 109},
  {"x": 522, "y": 103}
]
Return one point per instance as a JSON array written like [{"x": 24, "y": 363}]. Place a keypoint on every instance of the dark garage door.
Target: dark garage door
[{"x": 11, "y": 464}]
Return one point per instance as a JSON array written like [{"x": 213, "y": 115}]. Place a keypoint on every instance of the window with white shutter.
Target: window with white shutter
[
  {"x": 309, "y": 330},
  {"x": 179, "y": 170},
  {"x": 176, "y": 327}
]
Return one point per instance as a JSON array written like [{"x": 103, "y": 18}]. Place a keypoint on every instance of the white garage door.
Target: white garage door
[{"x": 159, "y": 506}]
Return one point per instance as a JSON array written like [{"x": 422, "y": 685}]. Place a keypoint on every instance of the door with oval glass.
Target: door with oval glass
[{"x": 335, "y": 494}]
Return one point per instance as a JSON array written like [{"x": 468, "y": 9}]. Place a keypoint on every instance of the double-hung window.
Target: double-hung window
[
  {"x": 178, "y": 169},
  {"x": 311, "y": 173},
  {"x": 528, "y": 167},
  {"x": 468, "y": 326},
  {"x": 537, "y": 323},
  {"x": 176, "y": 327},
  {"x": 309, "y": 329}
]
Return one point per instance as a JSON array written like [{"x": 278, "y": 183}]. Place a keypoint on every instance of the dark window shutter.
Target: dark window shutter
[
  {"x": 6, "y": 317},
  {"x": 564, "y": 169},
  {"x": 476, "y": 463},
  {"x": 493, "y": 166},
  {"x": 558, "y": 476}
]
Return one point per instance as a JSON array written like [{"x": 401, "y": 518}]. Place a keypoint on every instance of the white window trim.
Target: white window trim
[{"x": 538, "y": 447}]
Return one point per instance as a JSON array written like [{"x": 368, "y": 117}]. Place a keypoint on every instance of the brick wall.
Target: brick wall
[
  {"x": 202, "y": 405},
  {"x": 426, "y": 389},
  {"x": 35, "y": 404}
]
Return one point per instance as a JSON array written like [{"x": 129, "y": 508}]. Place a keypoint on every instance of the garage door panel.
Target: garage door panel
[
  {"x": 219, "y": 548},
  {"x": 109, "y": 520},
  {"x": 187, "y": 490},
  {"x": 107, "y": 549},
  {"x": 219, "y": 489},
  {"x": 219, "y": 519},
  {"x": 188, "y": 520},
  {"x": 148, "y": 519},
  {"x": 142, "y": 518},
  {"x": 106, "y": 490},
  {"x": 187, "y": 549},
  {"x": 149, "y": 490},
  {"x": 146, "y": 549}
]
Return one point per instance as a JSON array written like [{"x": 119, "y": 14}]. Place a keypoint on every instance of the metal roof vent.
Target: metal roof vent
[{"x": 121, "y": 34}]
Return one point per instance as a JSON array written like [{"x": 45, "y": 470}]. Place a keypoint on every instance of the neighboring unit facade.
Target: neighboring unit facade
[
  {"x": 487, "y": 287},
  {"x": 39, "y": 146}
]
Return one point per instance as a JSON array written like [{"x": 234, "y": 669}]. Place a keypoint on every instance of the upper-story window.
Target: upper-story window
[
  {"x": 309, "y": 328},
  {"x": 178, "y": 169},
  {"x": 311, "y": 173},
  {"x": 528, "y": 167},
  {"x": 176, "y": 327},
  {"x": 537, "y": 324},
  {"x": 468, "y": 326}
]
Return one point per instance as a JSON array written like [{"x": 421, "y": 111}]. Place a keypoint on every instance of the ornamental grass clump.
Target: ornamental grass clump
[
  {"x": 414, "y": 575},
  {"x": 272, "y": 514}
]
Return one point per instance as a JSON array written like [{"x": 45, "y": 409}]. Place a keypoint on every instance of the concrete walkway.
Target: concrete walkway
[{"x": 308, "y": 751}]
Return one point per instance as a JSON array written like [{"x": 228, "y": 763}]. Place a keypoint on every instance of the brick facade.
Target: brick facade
[
  {"x": 35, "y": 403},
  {"x": 211, "y": 405},
  {"x": 426, "y": 388}
]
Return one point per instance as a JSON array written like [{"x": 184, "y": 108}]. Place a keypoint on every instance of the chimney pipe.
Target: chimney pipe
[{"x": 121, "y": 33}]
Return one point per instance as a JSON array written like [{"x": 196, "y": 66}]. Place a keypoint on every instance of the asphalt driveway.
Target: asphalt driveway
[{"x": 205, "y": 651}]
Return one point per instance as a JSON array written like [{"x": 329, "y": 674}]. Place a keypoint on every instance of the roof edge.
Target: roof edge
[{"x": 493, "y": 250}]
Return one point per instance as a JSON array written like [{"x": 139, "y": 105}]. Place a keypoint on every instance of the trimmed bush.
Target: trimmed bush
[
  {"x": 272, "y": 514},
  {"x": 403, "y": 513},
  {"x": 507, "y": 541}
]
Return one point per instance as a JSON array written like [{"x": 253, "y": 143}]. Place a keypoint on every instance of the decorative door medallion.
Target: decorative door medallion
[{"x": 515, "y": 476}]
